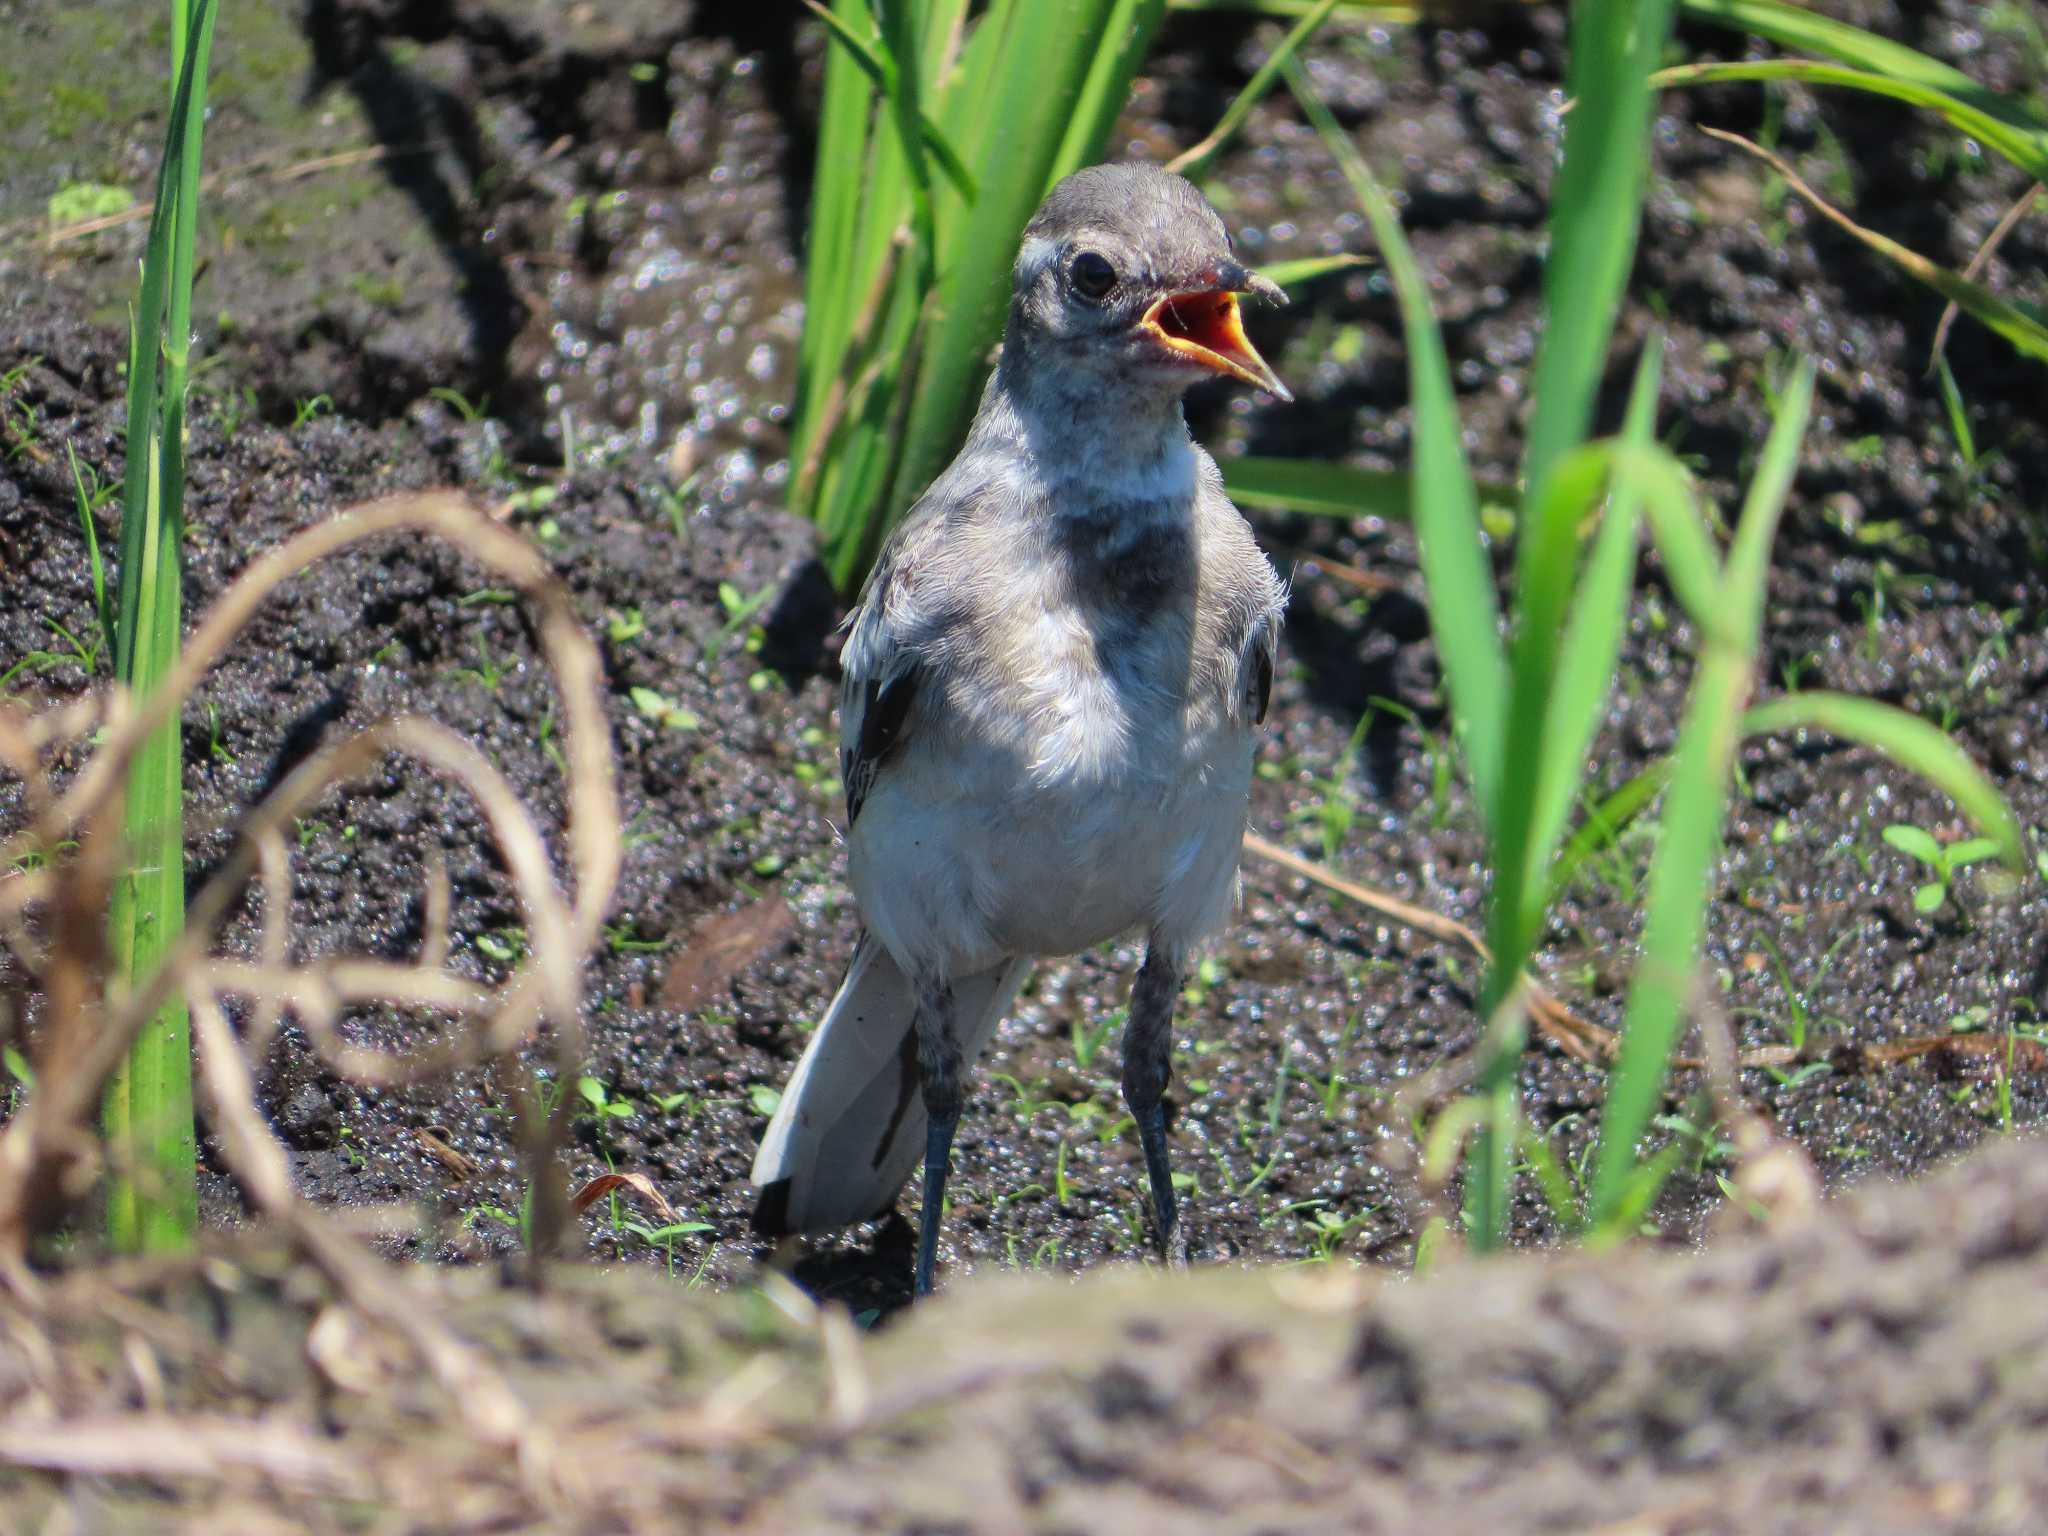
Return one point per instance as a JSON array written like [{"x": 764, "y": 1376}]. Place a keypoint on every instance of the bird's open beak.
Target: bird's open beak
[{"x": 1203, "y": 326}]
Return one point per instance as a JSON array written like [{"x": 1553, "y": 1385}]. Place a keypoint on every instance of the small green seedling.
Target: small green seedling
[
  {"x": 662, "y": 710},
  {"x": 739, "y": 612},
  {"x": 1088, "y": 1043},
  {"x": 1943, "y": 862},
  {"x": 603, "y": 1106},
  {"x": 664, "y": 1237},
  {"x": 507, "y": 946}
]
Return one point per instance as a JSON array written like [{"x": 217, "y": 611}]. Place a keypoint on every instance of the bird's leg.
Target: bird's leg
[
  {"x": 1148, "y": 1063},
  {"x": 938, "y": 1062}
]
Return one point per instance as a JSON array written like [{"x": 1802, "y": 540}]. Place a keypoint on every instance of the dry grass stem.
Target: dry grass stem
[{"x": 48, "y": 1150}]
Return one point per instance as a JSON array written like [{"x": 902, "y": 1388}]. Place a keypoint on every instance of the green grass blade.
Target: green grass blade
[
  {"x": 948, "y": 160},
  {"x": 102, "y": 606},
  {"x": 1794, "y": 26},
  {"x": 836, "y": 203},
  {"x": 1595, "y": 211},
  {"x": 1193, "y": 161},
  {"x": 1126, "y": 28},
  {"x": 1293, "y": 274},
  {"x": 1909, "y": 741},
  {"x": 1398, "y": 12},
  {"x": 1055, "y": 80},
  {"x": 1692, "y": 561},
  {"x": 1318, "y": 488},
  {"x": 1748, "y": 569},
  {"x": 152, "y": 1202},
  {"x": 1464, "y": 610},
  {"x": 2002, "y": 126},
  {"x": 1590, "y": 644},
  {"x": 1544, "y": 782},
  {"x": 899, "y": 57},
  {"x": 1605, "y": 822},
  {"x": 2016, "y": 325},
  {"x": 1690, "y": 832}
]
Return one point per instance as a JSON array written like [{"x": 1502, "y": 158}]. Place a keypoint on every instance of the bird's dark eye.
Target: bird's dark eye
[{"x": 1092, "y": 276}]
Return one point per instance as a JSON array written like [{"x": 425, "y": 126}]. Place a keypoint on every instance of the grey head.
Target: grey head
[{"x": 1126, "y": 284}]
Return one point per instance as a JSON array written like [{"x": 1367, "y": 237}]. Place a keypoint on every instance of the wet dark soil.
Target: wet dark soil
[{"x": 556, "y": 263}]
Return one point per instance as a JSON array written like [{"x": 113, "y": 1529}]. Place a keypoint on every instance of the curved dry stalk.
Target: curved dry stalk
[
  {"x": 2007, "y": 223},
  {"x": 49, "y": 1140},
  {"x": 1571, "y": 1034},
  {"x": 478, "y": 1390}
]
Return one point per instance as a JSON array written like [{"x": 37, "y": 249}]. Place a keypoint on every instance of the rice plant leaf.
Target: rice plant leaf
[
  {"x": 152, "y": 1202},
  {"x": 1747, "y": 569},
  {"x": 1690, "y": 833},
  {"x": 870, "y": 62},
  {"x": 1596, "y": 209},
  {"x": 830, "y": 283},
  {"x": 1194, "y": 160},
  {"x": 1464, "y": 610},
  {"x": 1124, "y": 36},
  {"x": 1543, "y": 784},
  {"x": 2026, "y": 333},
  {"x": 898, "y": 55},
  {"x": 102, "y": 605},
  {"x": 1914, "y": 744},
  {"x": 1795, "y": 26},
  {"x": 1317, "y": 487},
  {"x": 1052, "y": 79},
  {"x": 1292, "y": 274},
  {"x": 1590, "y": 645},
  {"x": 1987, "y": 117},
  {"x": 1396, "y": 12},
  {"x": 1692, "y": 562}
]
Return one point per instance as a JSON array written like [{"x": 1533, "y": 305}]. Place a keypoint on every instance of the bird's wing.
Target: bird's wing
[
  {"x": 882, "y": 662},
  {"x": 1256, "y": 672}
]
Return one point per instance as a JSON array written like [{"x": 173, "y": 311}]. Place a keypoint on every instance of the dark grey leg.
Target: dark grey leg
[
  {"x": 1148, "y": 1063},
  {"x": 938, "y": 1062}
]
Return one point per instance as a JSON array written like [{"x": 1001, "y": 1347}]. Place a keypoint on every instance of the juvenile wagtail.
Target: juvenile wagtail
[{"x": 1052, "y": 681}]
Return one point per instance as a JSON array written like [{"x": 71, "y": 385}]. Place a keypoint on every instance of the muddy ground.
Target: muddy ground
[
  {"x": 1881, "y": 1370},
  {"x": 551, "y": 256}
]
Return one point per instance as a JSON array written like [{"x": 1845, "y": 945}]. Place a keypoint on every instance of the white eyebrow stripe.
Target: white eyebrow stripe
[{"x": 1035, "y": 256}]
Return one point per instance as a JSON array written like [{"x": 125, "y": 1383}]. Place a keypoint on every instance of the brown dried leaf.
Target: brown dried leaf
[
  {"x": 461, "y": 1164},
  {"x": 1988, "y": 1052},
  {"x": 637, "y": 1183},
  {"x": 721, "y": 946}
]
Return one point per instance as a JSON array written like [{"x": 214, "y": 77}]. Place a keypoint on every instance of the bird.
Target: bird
[{"x": 1051, "y": 687}]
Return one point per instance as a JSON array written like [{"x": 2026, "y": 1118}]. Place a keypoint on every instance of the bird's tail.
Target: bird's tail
[{"x": 851, "y": 1123}]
